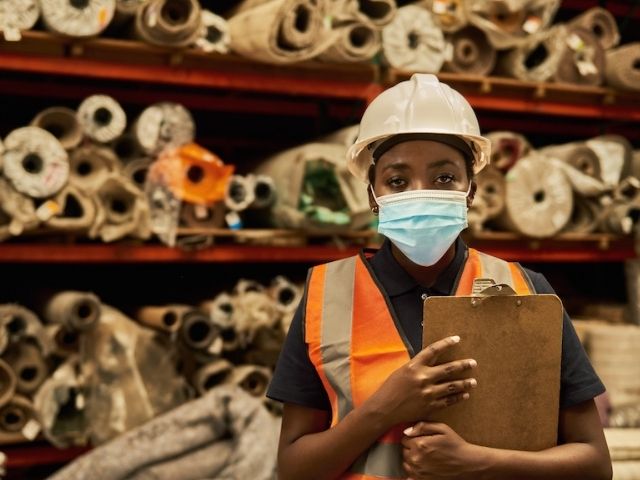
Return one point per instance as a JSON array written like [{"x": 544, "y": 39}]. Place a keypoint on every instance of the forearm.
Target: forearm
[{"x": 581, "y": 461}]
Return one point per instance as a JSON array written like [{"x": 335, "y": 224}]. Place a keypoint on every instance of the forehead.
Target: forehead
[{"x": 419, "y": 152}]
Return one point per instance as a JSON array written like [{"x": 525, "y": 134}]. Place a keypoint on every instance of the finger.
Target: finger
[
  {"x": 429, "y": 355},
  {"x": 448, "y": 388},
  {"x": 447, "y": 370},
  {"x": 449, "y": 400},
  {"x": 426, "y": 428}
]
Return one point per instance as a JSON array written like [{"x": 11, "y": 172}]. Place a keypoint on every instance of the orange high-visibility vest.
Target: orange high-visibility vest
[{"x": 354, "y": 341}]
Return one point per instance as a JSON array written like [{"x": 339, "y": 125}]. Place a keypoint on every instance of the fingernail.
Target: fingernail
[
  {"x": 408, "y": 431},
  {"x": 473, "y": 382},
  {"x": 455, "y": 339},
  {"x": 473, "y": 363},
  {"x": 465, "y": 396}
]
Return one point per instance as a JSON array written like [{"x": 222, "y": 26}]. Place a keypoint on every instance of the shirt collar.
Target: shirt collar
[{"x": 397, "y": 281}]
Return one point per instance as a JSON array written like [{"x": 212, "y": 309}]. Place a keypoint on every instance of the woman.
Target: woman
[{"x": 356, "y": 385}]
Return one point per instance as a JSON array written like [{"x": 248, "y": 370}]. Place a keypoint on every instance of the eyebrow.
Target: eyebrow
[{"x": 401, "y": 165}]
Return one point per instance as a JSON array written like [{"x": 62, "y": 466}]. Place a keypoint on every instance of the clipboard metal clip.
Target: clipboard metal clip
[{"x": 487, "y": 287}]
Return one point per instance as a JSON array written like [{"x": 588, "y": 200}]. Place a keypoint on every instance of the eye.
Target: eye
[
  {"x": 396, "y": 182},
  {"x": 445, "y": 179}
]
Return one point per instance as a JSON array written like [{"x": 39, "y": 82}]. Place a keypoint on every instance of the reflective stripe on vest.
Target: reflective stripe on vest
[{"x": 355, "y": 345}]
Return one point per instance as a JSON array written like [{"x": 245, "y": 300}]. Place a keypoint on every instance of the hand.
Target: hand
[
  {"x": 434, "y": 450},
  {"x": 418, "y": 387}
]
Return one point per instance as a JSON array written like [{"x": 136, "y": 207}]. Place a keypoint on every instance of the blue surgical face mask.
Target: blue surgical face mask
[{"x": 423, "y": 224}]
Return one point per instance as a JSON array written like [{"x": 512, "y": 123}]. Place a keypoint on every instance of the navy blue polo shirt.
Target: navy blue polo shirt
[{"x": 296, "y": 381}]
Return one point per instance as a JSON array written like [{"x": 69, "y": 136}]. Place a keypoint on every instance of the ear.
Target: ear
[
  {"x": 472, "y": 193},
  {"x": 372, "y": 201}
]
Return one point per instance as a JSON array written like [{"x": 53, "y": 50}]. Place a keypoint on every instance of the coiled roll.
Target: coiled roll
[
  {"x": 240, "y": 192},
  {"x": 16, "y": 414},
  {"x": 17, "y": 15},
  {"x": 251, "y": 378},
  {"x": 472, "y": 52},
  {"x": 211, "y": 375},
  {"x": 91, "y": 166},
  {"x": 582, "y": 62},
  {"x": 77, "y": 210},
  {"x": 585, "y": 216},
  {"x": 169, "y": 23},
  {"x": 621, "y": 67},
  {"x": 29, "y": 365},
  {"x": 164, "y": 125},
  {"x": 214, "y": 34},
  {"x": 102, "y": 118},
  {"x": 507, "y": 148},
  {"x": 601, "y": 23},
  {"x": 136, "y": 171},
  {"x": 77, "y": 310},
  {"x": 356, "y": 41},
  {"x": 167, "y": 318},
  {"x": 87, "y": 18},
  {"x": 35, "y": 162},
  {"x": 450, "y": 15},
  {"x": 210, "y": 216},
  {"x": 61, "y": 122}
]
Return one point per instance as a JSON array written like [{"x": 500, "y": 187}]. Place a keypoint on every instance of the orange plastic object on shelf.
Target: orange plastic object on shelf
[{"x": 192, "y": 173}]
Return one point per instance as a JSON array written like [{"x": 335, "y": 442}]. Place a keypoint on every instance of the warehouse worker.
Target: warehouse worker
[{"x": 357, "y": 387}]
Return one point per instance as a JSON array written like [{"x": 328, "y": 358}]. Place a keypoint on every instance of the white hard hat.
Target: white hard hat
[{"x": 419, "y": 105}]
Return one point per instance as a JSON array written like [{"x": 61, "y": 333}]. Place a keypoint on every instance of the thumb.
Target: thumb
[{"x": 425, "y": 428}]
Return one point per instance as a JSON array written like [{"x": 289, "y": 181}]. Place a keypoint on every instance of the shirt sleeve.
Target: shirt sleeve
[
  {"x": 578, "y": 380},
  {"x": 295, "y": 379}
]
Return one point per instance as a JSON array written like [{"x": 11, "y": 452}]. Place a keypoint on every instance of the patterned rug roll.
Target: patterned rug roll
[
  {"x": 91, "y": 165},
  {"x": 507, "y": 148},
  {"x": 280, "y": 31},
  {"x": 355, "y": 42},
  {"x": 214, "y": 34},
  {"x": 472, "y": 52},
  {"x": 62, "y": 123},
  {"x": 623, "y": 67},
  {"x": 601, "y": 23},
  {"x": 450, "y": 15},
  {"x": 582, "y": 62},
  {"x": 414, "y": 42},
  {"x": 102, "y": 118},
  {"x": 77, "y": 210},
  {"x": 16, "y": 16},
  {"x": 169, "y": 23},
  {"x": 537, "y": 58},
  {"x": 77, "y": 19}
]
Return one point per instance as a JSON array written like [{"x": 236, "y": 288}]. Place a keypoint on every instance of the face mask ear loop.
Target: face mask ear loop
[{"x": 374, "y": 194}]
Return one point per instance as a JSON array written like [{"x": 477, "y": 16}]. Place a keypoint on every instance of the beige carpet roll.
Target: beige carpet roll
[
  {"x": 221, "y": 310},
  {"x": 29, "y": 365},
  {"x": 492, "y": 189},
  {"x": 91, "y": 166},
  {"x": 17, "y": 211},
  {"x": 508, "y": 23},
  {"x": 578, "y": 155},
  {"x": 582, "y": 62},
  {"x": 164, "y": 125},
  {"x": 623, "y": 67},
  {"x": 538, "y": 56},
  {"x": 73, "y": 18},
  {"x": 357, "y": 41},
  {"x": 450, "y": 15},
  {"x": 17, "y": 414},
  {"x": 21, "y": 324},
  {"x": 472, "y": 52},
  {"x": 414, "y": 42},
  {"x": 35, "y": 162},
  {"x": 16, "y": 16},
  {"x": 102, "y": 118},
  {"x": 169, "y": 23},
  {"x": 240, "y": 192},
  {"x": 253, "y": 379},
  {"x": 376, "y": 12},
  {"x": 7, "y": 383},
  {"x": 76, "y": 210},
  {"x": 127, "y": 148},
  {"x": 202, "y": 216},
  {"x": 285, "y": 293},
  {"x": 615, "y": 154},
  {"x": 211, "y": 375},
  {"x": 198, "y": 331},
  {"x": 507, "y": 148},
  {"x": 585, "y": 217},
  {"x": 264, "y": 192},
  {"x": 214, "y": 34},
  {"x": 77, "y": 310},
  {"x": 61, "y": 122},
  {"x": 620, "y": 217},
  {"x": 539, "y": 198},
  {"x": 601, "y": 23},
  {"x": 65, "y": 341},
  {"x": 280, "y": 31},
  {"x": 136, "y": 171}
]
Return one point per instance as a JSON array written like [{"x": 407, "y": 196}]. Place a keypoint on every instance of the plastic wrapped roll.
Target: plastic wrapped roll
[
  {"x": 621, "y": 67},
  {"x": 539, "y": 198},
  {"x": 136, "y": 171},
  {"x": 164, "y": 125},
  {"x": 355, "y": 42},
  {"x": 102, "y": 118},
  {"x": 7, "y": 383},
  {"x": 472, "y": 53},
  {"x": 414, "y": 42},
  {"x": 538, "y": 57},
  {"x": 601, "y": 23},
  {"x": 197, "y": 331},
  {"x": 210, "y": 216},
  {"x": 76, "y": 210},
  {"x": 91, "y": 166},
  {"x": 77, "y": 19},
  {"x": 615, "y": 155},
  {"x": 17, "y": 211},
  {"x": 35, "y": 162},
  {"x": 507, "y": 148},
  {"x": 492, "y": 188},
  {"x": 77, "y": 310},
  {"x": 127, "y": 148},
  {"x": 211, "y": 375},
  {"x": 29, "y": 365},
  {"x": 214, "y": 34},
  {"x": 583, "y": 59},
  {"x": 251, "y": 378},
  {"x": 240, "y": 192},
  {"x": 508, "y": 23},
  {"x": 450, "y": 15},
  {"x": 16, "y": 16},
  {"x": 280, "y": 31},
  {"x": 62, "y": 123},
  {"x": 166, "y": 318},
  {"x": 169, "y": 23},
  {"x": 16, "y": 414}
]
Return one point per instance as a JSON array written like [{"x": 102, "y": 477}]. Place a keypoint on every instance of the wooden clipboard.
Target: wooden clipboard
[{"x": 517, "y": 342}]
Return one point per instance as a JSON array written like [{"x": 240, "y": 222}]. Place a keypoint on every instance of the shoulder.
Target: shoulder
[{"x": 539, "y": 281}]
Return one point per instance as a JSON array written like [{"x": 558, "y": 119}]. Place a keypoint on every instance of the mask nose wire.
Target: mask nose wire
[{"x": 378, "y": 203}]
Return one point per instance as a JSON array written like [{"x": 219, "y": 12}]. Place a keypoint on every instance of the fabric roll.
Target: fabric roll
[
  {"x": 601, "y": 23},
  {"x": 240, "y": 192},
  {"x": 472, "y": 52},
  {"x": 286, "y": 294},
  {"x": 251, "y": 378},
  {"x": 210, "y": 420},
  {"x": 169, "y": 23},
  {"x": 17, "y": 211},
  {"x": 492, "y": 188},
  {"x": 91, "y": 165},
  {"x": 136, "y": 171},
  {"x": 77, "y": 310},
  {"x": 29, "y": 365},
  {"x": 214, "y": 34},
  {"x": 17, "y": 414},
  {"x": 375, "y": 12},
  {"x": 264, "y": 192},
  {"x": 7, "y": 383},
  {"x": 35, "y": 162},
  {"x": 508, "y": 23},
  {"x": 164, "y": 125},
  {"x": 413, "y": 41},
  {"x": 102, "y": 118},
  {"x": 537, "y": 58},
  {"x": 222, "y": 312},
  {"x": 199, "y": 333},
  {"x": 65, "y": 341},
  {"x": 280, "y": 31},
  {"x": 583, "y": 59},
  {"x": 585, "y": 217},
  {"x": 357, "y": 41},
  {"x": 62, "y": 123},
  {"x": 16, "y": 16},
  {"x": 164, "y": 318},
  {"x": 615, "y": 154},
  {"x": 507, "y": 148},
  {"x": 580, "y": 165},
  {"x": 19, "y": 324},
  {"x": 75, "y": 210},
  {"x": 211, "y": 375},
  {"x": 245, "y": 286},
  {"x": 450, "y": 15},
  {"x": 621, "y": 67},
  {"x": 77, "y": 19},
  {"x": 539, "y": 198},
  {"x": 620, "y": 217}
]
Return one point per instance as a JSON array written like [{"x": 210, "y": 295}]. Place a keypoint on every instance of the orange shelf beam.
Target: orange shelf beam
[{"x": 39, "y": 454}]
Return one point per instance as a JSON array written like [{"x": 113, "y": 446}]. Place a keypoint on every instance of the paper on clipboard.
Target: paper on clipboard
[{"x": 517, "y": 342}]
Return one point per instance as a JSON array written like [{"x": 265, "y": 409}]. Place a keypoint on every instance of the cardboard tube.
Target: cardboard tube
[
  {"x": 472, "y": 52},
  {"x": 18, "y": 15},
  {"x": 16, "y": 413},
  {"x": 251, "y": 378},
  {"x": 29, "y": 365},
  {"x": 169, "y": 23},
  {"x": 8, "y": 383},
  {"x": 61, "y": 122},
  {"x": 77, "y": 310},
  {"x": 163, "y": 125},
  {"x": 102, "y": 118},
  {"x": 165, "y": 318},
  {"x": 601, "y": 23},
  {"x": 506, "y": 148},
  {"x": 623, "y": 67},
  {"x": 583, "y": 59},
  {"x": 211, "y": 375}
]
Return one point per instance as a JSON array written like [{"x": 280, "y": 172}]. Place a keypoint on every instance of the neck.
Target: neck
[{"x": 425, "y": 276}]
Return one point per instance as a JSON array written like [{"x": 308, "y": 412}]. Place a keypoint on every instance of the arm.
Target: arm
[
  {"x": 434, "y": 449},
  {"x": 311, "y": 450}
]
